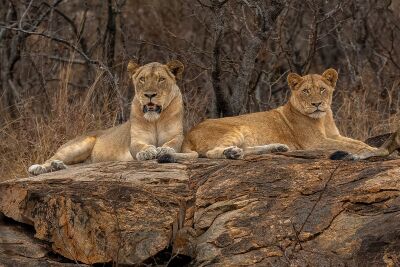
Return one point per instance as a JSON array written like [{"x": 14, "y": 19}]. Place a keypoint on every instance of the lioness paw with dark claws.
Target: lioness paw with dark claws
[
  {"x": 146, "y": 154},
  {"x": 233, "y": 152},
  {"x": 164, "y": 150},
  {"x": 37, "y": 169},
  {"x": 280, "y": 148},
  {"x": 57, "y": 165}
]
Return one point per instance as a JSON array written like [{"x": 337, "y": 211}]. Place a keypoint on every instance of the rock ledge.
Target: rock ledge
[{"x": 296, "y": 208}]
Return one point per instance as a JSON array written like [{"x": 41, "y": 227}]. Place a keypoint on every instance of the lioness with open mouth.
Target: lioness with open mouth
[{"x": 155, "y": 126}]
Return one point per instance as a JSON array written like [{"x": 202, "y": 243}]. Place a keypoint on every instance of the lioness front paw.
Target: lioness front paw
[
  {"x": 36, "y": 169},
  {"x": 233, "y": 152},
  {"x": 280, "y": 148},
  {"x": 57, "y": 165},
  {"x": 164, "y": 150},
  {"x": 148, "y": 153}
]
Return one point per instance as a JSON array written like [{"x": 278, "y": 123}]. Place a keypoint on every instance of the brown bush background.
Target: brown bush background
[{"x": 63, "y": 63}]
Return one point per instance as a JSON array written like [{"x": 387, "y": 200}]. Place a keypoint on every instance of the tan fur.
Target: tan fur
[
  {"x": 145, "y": 136},
  {"x": 298, "y": 124},
  {"x": 391, "y": 144}
]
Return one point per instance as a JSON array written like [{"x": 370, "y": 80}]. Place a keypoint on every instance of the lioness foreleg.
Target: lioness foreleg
[
  {"x": 75, "y": 151},
  {"x": 142, "y": 151},
  {"x": 265, "y": 149},
  {"x": 234, "y": 152},
  {"x": 172, "y": 146}
]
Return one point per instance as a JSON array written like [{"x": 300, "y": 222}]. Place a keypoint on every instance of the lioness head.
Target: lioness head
[
  {"x": 312, "y": 94},
  {"x": 155, "y": 85}
]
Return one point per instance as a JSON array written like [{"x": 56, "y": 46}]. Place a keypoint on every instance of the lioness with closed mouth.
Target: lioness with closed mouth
[
  {"x": 304, "y": 122},
  {"x": 155, "y": 126}
]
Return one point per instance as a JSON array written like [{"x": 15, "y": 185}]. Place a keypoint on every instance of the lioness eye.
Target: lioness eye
[
  {"x": 161, "y": 79},
  {"x": 322, "y": 89},
  {"x": 141, "y": 79}
]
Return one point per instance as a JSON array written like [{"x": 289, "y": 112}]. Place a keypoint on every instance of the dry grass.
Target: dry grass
[
  {"x": 58, "y": 100},
  {"x": 33, "y": 136},
  {"x": 38, "y": 131},
  {"x": 365, "y": 112},
  {"x": 36, "y": 134}
]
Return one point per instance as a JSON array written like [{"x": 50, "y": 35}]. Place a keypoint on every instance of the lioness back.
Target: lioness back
[
  {"x": 304, "y": 122},
  {"x": 112, "y": 144},
  {"x": 245, "y": 130}
]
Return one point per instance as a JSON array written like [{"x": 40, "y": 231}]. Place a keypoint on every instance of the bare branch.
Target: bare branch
[{"x": 56, "y": 39}]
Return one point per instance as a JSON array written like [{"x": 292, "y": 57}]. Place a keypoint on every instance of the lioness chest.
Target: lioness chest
[
  {"x": 114, "y": 143},
  {"x": 159, "y": 133}
]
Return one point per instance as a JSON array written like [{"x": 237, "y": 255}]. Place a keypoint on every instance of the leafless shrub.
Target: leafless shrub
[{"x": 63, "y": 63}]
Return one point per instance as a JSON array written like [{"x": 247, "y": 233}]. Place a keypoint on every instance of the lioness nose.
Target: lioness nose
[
  {"x": 316, "y": 104},
  {"x": 150, "y": 95}
]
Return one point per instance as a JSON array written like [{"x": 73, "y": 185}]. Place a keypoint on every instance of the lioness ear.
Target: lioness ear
[
  {"x": 331, "y": 76},
  {"x": 293, "y": 80},
  {"x": 132, "y": 67},
  {"x": 176, "y": 68}
]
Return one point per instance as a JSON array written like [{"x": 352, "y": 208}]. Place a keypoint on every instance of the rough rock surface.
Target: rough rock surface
[
  {"x": 18, "y": 247},
  {"x": 288, "y": 209}
]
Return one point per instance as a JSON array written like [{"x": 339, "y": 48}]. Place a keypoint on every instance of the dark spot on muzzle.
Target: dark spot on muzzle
[{"x": 152, "y": 107}]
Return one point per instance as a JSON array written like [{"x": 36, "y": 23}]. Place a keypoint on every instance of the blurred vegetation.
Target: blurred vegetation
[{"x": 63, "y": 63}]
